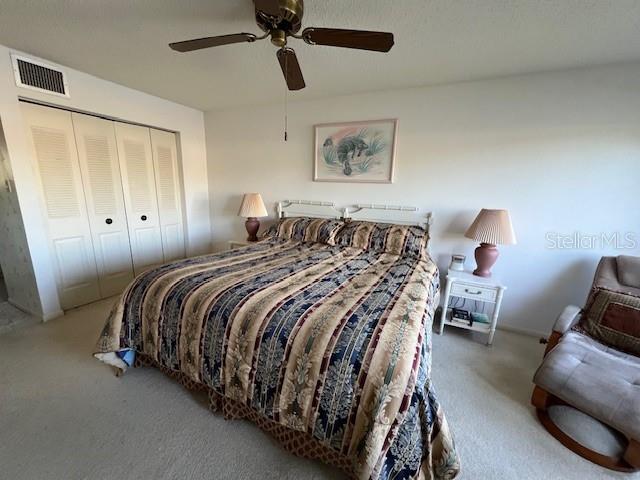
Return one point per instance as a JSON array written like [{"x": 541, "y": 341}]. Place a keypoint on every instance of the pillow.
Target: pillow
[
  {"x": 404, "y": 240},
  {"x": 306, "y": 229},
  {"x": 614, "y": 319}
]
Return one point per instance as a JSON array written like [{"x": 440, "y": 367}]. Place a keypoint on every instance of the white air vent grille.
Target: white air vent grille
[{"x": 39, "y": 76}]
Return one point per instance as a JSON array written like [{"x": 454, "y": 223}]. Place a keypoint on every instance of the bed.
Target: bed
[{"x": 320, "y": 334}]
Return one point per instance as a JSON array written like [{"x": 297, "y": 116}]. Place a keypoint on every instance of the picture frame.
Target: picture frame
[{"x": 356, "y": 151}]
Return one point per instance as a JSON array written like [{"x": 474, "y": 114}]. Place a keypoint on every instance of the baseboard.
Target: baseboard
[
  {"x": 40, "y": 315},
  {"x": 52, "y": 315},
  {"x": 523, "y": 331},
  {"x": 22, "y": 308}
]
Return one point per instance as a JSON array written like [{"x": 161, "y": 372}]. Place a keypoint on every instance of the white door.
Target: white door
[
  {"x": 56, "y": 161},
  {"x": 165, "y": 163},
  {"x": 139, "y": 186},
  {"x": 98, "y": 155}
]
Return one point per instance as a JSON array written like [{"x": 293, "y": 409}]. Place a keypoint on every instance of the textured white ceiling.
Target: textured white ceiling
[{"x": 437, "y": 41}]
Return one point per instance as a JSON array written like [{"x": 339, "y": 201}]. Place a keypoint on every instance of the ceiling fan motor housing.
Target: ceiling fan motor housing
[{"x": 289, "y": 20}]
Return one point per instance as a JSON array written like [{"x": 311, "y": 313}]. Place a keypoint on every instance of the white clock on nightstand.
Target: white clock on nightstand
[{"x": 481, "y": 290}]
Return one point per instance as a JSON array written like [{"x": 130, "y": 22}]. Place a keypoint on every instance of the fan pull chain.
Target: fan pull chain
[{"x": 286, "y": 95}]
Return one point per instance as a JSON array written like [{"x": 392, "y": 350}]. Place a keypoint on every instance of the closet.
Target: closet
[
  {"x": 141, "y": 200},
  {"x": 112, "y": 198},
  {"x": 100, "y": 172}
]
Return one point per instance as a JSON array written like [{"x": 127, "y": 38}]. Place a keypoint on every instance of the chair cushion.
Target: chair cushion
[
  {"x": 615, "y": 274},
  {"x": 599, "y": 380},
  {"x": 629, "y": 270},
  {"x": 614, "y": 318}
]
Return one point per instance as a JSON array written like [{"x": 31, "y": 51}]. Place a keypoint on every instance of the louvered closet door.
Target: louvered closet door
[
  {"x": 56, "y": 161},
  {"x": 165, "y": 163},
  {"x": 139, "y": 186},
  {"x": 98, "y": 155}
]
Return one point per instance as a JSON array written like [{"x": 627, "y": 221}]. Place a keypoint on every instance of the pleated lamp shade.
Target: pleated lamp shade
[
  {"x": 252, "y": 206},
  {"x": 493, "y": 227}
]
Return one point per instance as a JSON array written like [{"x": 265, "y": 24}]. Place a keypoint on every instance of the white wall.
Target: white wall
[
  {"x": 91, "y": 94},
  {"x": 560, "y": 150}
]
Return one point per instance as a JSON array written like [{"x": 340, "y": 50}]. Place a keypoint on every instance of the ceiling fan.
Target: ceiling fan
[{"x": 281, "y": 19}]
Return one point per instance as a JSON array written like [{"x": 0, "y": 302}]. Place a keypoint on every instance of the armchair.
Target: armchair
[{"x": 596, "y": 378}]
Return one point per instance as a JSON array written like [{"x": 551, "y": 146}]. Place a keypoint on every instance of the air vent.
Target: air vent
[{"x": 39, "y": 76}]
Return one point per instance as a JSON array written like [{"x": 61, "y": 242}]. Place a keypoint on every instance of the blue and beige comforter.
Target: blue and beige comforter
[{"x": 331, "y": 343}]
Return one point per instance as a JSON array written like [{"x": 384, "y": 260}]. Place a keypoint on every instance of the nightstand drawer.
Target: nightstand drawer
[{"x": 474, "y": 292}]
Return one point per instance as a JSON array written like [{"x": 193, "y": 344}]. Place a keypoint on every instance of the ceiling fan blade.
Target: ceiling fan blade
[
  {"x": 360, "y": 39},
  {"x": 206, "y": 42},
  {"x": 270, "y": 7},
  {"x": 291, "y": 68}
]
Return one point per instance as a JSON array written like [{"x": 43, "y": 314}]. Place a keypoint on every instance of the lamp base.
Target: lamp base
[
  {"x": 486, "y": 255},
  {"x": 252, "y": 225}
]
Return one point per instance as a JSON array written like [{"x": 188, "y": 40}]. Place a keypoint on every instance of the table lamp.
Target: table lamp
[
  {"x": 252, "y": 207},
  {"x": 490, "y": 228}
]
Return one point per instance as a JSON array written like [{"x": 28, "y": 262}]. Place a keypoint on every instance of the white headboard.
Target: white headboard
[
  {"x": 401, "y": 214},
  {"x": 308, "y": 208}
]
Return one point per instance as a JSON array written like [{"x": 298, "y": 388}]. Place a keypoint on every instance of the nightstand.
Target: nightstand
[
  {"x": 465, "y": 286},
  {"x": 233, "y": 244}
]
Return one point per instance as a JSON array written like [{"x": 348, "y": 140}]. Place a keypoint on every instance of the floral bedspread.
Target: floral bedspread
[{"x": 327, "y": 340}]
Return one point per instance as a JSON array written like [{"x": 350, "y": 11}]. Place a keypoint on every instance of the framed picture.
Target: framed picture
[{"x": 359, "y": 152}]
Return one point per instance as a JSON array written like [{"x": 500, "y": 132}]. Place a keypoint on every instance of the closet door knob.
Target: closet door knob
[
  {"x": 108, "y": 221},
  {"x": 143, "y": 218}
]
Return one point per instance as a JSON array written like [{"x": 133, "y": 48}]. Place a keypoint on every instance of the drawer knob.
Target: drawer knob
[{"x": 473, "y": 293}]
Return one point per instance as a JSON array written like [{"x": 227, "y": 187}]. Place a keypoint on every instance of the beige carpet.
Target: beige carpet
[{"x": 63, "y": 415}]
